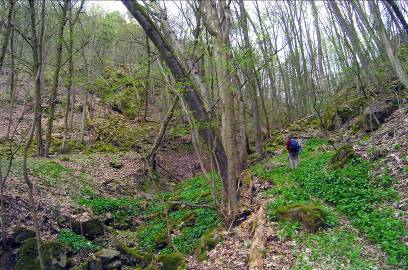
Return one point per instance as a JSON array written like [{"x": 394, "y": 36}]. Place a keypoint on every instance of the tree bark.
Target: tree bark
[
  {"x": 55, "y": 79},
  {"x": 251, "y": 76},
  {"x": 399, "y": 14},
  {"x": 7, "y": 34},
  {"x": 188, "y": 92}
]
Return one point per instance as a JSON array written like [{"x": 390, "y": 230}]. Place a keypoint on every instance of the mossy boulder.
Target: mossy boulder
[
  {"x": 20, "y": 234},
  {"x": 188, "y": 219},
  {"x": 55, "y": 256},
  {"x": 116, "y": 164},
  {"x": 172, "y": 261},
  {"x": 161, "y": 239},
  {"x": 207, "y": 242},
  {"x": 311, "y": 217},
  {"x": 136, "y": 257},
  {"x": 342, "y": 156},
  {"x": 90, "y": 228}
]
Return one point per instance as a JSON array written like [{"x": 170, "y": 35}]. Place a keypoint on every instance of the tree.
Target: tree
[{"x": 55, "y": 79}]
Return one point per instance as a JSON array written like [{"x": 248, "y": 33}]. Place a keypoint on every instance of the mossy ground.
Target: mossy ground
[{"x": 350, "y": 191}]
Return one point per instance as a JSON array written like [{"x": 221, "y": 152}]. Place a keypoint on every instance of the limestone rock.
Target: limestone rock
[
  {"x": 375, "y": 114},
  {"x": 90, "y": 228}
]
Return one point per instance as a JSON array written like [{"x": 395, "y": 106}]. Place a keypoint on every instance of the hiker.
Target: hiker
[{"x": 294, "y": 149}]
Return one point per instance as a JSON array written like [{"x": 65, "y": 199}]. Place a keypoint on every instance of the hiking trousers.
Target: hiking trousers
[{"x": 294, "y": 160}]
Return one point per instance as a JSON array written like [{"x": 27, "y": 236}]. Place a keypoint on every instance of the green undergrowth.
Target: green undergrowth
[
  {"x": 48, "y": 171},
  {"x": 171, "y": 221},
  {"x": 332, "y": 249},
  {"x": 167, "y": 213},
  {"x": 75, "y": 242},
  {"x": 353, "y": 191},
  {"x": 120, "y": 208}
]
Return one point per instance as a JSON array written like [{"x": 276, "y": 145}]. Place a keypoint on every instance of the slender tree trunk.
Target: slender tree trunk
[
  {"x": 69, "y": 84},
  {"x": 7, "y": 33},
  {"x": 395, "y": 63},
  {"x": 181, "y": 77},
  {"x": 151, "y": 157},
  {"x": 37, "y": 108},
  {"x": 55, "y": 79},
  {"x": 12, "y": 80},
  {"x": 84, "y": 103},
  {"x": 251, "y": 77},
  {"x": 352, "y": 35},
  {"x": 399, "y": 14},
  {"x": 147, "y": 81}
]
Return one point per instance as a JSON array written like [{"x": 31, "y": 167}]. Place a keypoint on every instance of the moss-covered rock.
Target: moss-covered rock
[
  {"x": 172, "y": 261},
  {"x": 55, "y": 256},
  {"x": 188, "y": 219},
  {"x": 90, "y": 228},
  {"x": 161, "y": 239},
  {"x": 138, "y": 258},
  {"x": 116, "y": 164},
  {"x": 342, "y": 156},
  {"x": 207, "y": 242},
  {"x": 310, "y": 216},
  {"x": 20, "y": 234}
]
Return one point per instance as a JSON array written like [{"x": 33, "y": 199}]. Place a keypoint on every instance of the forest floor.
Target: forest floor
[{"x": 362, "y": 206}]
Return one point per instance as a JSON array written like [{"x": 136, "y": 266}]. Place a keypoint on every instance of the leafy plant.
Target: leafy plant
[{"x": 75, "y": 242}]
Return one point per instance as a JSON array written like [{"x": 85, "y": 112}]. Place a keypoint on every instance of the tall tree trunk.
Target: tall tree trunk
[
  {"x": 147, "y": 81},
  {"x": 70, "y": 78},
  {"x": 151, "y": 157},
  {"x": 251, "y": 77},
  {"x": 55, "y": 79},
  {"x": 37, "y": 108},
  {"x": 12, "y": 80},
  {"x": 7, "y": 34},
  {"x": 350, "y": 32},
  {"x": 399, "y": 14},
  {"x": 395, "y": 63},
  {"x": 84, "y": 103},
  {"x": 181, "y": 77}
]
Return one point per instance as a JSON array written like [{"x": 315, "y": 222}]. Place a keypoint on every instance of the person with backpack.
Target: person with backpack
[{"x": 293, "y": 147}]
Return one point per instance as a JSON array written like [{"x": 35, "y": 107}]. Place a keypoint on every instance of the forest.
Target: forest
[{"x": 203, "y": 134}]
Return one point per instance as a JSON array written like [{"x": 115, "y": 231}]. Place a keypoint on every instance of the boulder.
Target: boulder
[
  {"x": 172, "y": 261},
  {"x": 55, "y": 256},
  {"x": 116, "y": 164},
  {"x": 106, "y": 259},
  {"x": 310, "y": 216},
  {"x": 20, "y": 234},
  {"x": 208, "y": 242},
  {"x": 90, "y": 228},
  {"x": 342, "y": 156},
  {"x": 375, "y": 114},
  {"x": 107, "y": 254}
]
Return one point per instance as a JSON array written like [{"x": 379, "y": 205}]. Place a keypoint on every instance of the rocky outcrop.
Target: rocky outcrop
[{"x": 376, "y": 114}]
